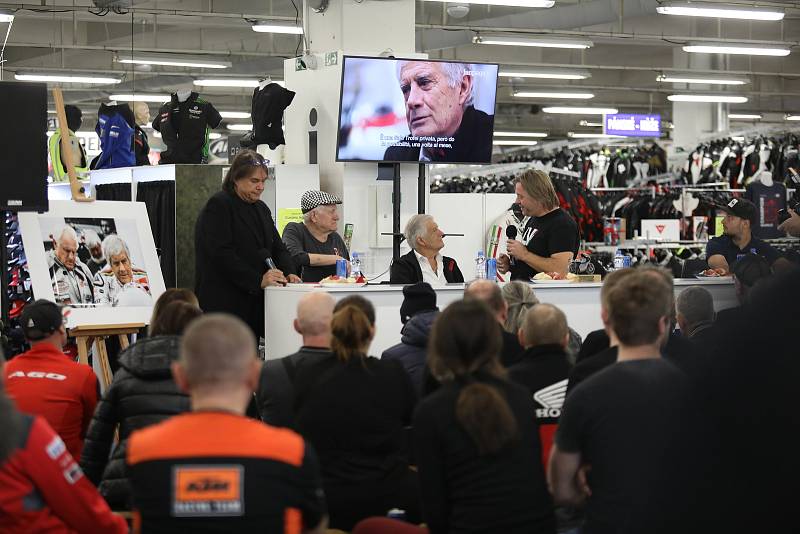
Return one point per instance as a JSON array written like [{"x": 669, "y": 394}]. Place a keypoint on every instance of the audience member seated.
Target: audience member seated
[
  {"x": 614, "y": 441},
  {"x": 214, "y": 469},
  {"x": 417, "y": 313},
  {"x": 173, "y": 294},
  {"x": 424, "y": 263},
  {"x": 275, "y": 395},
  {"x": 475, "y": 439},
  {"x": 544, "y": 369},
  {"x": 354, "y": 409},
  {"x": 489, "y": 292},
  {"x": 42, "y": 488},
  {"x": 747, "y": 273},
  {"x": 142, "y": 393},
  {"x": 46, "y": 382},
  {"x": 603, "y": 341},
  {"x": 520, "y": 298},
  {"x": 695, "y": 314}
]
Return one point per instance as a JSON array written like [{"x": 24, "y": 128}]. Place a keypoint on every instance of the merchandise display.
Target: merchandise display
[
  {"x": 80, "y": 162},
  {"x": 184, "y": 123},
  {"x": 269, "y": 101},
  {"x": 115, "y": 128}
]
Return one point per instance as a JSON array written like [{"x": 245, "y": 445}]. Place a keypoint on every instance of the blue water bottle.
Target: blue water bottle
[
  {"x": 341, "y": 268},
  {"x": 491, "y": 269}
]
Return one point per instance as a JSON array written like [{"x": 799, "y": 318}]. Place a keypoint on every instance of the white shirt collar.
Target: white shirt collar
[{"x": 433, "y": 278}]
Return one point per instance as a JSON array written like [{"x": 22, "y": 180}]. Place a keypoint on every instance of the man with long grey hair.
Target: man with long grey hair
[
  {"x": 120, "y": 283},
  {"x": 440, "y": 110}
]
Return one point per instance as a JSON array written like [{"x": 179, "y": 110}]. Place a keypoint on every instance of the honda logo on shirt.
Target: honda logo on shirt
[{"x": 552, "y": 398}]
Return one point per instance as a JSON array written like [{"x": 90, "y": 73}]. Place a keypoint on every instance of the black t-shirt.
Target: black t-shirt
[
  {"x": 769, "y": 200},
  {"x": 544, "y": 236},
  {"x": 725, "y": 246},
  {"x": 301, "y": 243},
  {"x": 623, "y": 421}
]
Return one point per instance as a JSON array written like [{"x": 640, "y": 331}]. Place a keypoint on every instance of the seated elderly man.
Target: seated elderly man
[
  {"x": 71, "y": 278},
  {"x": 314, "y": 244},
  {"x": 424, "y": 263},
  {"x": 120, "y": 283}
]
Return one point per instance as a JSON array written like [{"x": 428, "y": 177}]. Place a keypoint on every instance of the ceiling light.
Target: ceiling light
[
  {"x": 273, "y": 26},
  {"x": 233, "y": 82},
  {"x": 792, "y": 117},
  {"x": 591, "y": 124},
  {"x": 172, "y": 60},
  {"x": 552, "y": 94},
  {"x": 510, "y": 3},
  {"x": 514, "y": 142},
  {"x": 6, "y": 15},
  {"x": 720, "y": 11},
  {"x": 580, "y": 111},
  {"x": 513, "y": 40},
  {"x": 589, "y": 135},
  {"x": 549, "y": 74},
  {"x": 55, "y": 78},
  {"x": 681, "y": 78},
  {"x": 745, "y": 49},
  {"x": 708, "y": 98},
  {"x": 739, "y": 138},
  {"x": 234, "y": 114},
  {"x": 214, "y": 135},
  {"x": 140, "y": 98},
  {"x": 744, "y": 116},
  {"x": 240, "y": 127},
  {"x": 520, "y": 134}
]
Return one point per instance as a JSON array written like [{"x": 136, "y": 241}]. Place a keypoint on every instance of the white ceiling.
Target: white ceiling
[{"x": 632, "y": 46}]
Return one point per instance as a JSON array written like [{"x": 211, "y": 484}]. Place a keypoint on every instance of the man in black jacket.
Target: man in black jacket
[
  {"x": 424, "y": 263},
  {"x": 444, "y": 124}
]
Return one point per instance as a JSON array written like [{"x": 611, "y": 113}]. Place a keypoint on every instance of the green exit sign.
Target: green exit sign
[
  {"x": 331, "y": 58},
  {"x": 299, "y": 64}
]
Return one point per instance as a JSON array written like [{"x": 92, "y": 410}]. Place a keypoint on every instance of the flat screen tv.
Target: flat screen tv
[{"x": 395, "y": 110}]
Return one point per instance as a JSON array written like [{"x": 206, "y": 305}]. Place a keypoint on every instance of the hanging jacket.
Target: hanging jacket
[
  {"x": 267, "y": 114},
  {"x": 115, "y": 129},
  {"x": 79, "y": 161},
  {"x": 184, "y": 128},
  {"x": 143, "y": 393},
  {"x": 141, "y": 147}
]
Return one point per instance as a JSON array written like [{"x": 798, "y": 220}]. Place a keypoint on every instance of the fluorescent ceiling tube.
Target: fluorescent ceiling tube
[
  {"x": 65, "y": 78},
  {"x": 514, "y": 40},
  {"x": 739, "y": 138},
  {"x": 140, "y": 98},
  {"x": 591, "y": 124},
  {"x": 720, "y": 11},
  {"x": 511, "y": 3},
  {"x": 792, "y": 117},
  {"x": 711, "y": 80},
  {"x": 233, "y": 82},
  {"x": 240, "y": 127},
  {"x": 514, "y": 142},
  {"x": 580, "y": 111},
  {"x": 234, "y": 114},
  {"x": 6, "y": 15},
  {"x": 745, "y": 116},
  {"x": 548, "y": 74},
  {"x": 744, "y": 49},
  {"x": 589, "y": 135},
  {"x": 553, "y": 94},
  {"x": 173, "y": 61},
  {"x": 214, "y": 135},
  {"x": 520, "y": 134},
  {"x": 708, "y": 98},
  {"x": 274, "y": 26}
]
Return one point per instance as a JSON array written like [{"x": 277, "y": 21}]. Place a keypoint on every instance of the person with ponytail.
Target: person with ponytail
[
  {"x": 354, "y": 409},
  {"x": 475, "y": 439}
]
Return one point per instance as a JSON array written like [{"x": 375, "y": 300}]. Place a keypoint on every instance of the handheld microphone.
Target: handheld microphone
[{"x": 511, "y": 233}]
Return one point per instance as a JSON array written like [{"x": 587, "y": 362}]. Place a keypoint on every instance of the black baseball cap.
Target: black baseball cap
[
  {"x": 741, "y": 207},
  {"x": 40, "y": 319}
]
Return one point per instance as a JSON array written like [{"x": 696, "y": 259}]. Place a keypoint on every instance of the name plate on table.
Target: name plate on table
[{"x": 661, "y": 229}]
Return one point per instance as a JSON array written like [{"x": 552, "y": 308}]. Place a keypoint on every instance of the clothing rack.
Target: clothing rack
[{"x": 651, "y": 189}]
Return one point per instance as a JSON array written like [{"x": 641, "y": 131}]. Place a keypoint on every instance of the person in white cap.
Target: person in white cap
[{"x": 314, "y": 244}]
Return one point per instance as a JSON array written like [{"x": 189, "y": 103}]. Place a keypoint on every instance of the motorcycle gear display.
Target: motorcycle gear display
[
  {"x": 184, "y": 127},
  {"x": 266, "y": 111},
  {"x": 115, "y": 128},
  {"x": 79, "y": 160}
]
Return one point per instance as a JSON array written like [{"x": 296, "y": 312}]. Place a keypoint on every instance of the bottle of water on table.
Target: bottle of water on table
[
  {"x": 355, "y": 266},
  {"x": 480, "y": 266}
]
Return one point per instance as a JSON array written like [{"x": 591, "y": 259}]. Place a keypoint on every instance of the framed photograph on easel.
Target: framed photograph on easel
[{"x": 97, "y": 258}]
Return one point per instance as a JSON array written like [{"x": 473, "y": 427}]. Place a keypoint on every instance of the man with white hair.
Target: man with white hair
[
  {"x": 120, "y": 283},
  {"x": 425, "y": 263},
  {"x": 314, "y": 244},
  {"x": 440, "y": 106},
  {"x": 71, "y": 278}
]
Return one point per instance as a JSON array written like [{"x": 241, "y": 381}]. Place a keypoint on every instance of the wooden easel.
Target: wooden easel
[{"x": 95, "y": 335}]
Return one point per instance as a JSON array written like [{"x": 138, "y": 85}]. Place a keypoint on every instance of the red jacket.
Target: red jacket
[
  {"x": 45, "y": 382},
  {"x": 42, "y": 489}
]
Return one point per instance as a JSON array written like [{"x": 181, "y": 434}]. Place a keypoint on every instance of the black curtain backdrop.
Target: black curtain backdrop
[
  {"x": 113, "y": 192},
  {"x": 159, "y": 197}
]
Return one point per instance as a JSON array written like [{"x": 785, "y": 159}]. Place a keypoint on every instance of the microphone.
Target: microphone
[{"x": 511, "y": 233}]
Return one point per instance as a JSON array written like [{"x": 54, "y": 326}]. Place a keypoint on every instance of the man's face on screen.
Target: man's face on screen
[{"x": 433, "y": 107}]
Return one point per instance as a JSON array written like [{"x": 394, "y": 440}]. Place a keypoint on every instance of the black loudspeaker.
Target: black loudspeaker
[{"x": 23, "y": 147}]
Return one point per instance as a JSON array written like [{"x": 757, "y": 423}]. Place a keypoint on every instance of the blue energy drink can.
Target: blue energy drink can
[
  {"x": 491, "y": 269},
  {"x": 627, "y": 260},
  {"x": 341, "y": 268}
]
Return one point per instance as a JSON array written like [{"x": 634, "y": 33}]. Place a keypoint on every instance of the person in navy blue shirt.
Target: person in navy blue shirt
[{"x": 737, "y": 240}]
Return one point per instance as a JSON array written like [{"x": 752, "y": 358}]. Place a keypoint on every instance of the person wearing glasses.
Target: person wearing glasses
[{"x": 238, "y": 251}]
